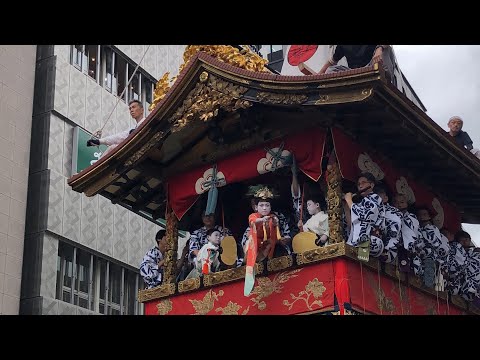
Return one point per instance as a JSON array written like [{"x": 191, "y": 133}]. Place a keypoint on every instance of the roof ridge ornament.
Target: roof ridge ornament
[{"x": 243, "y": 58}]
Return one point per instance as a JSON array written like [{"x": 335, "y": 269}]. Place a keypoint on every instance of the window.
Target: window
[
  {"x": 91, "y": 55},
  {"x": 272, "y": 52},
  {"x": 120, "y": 76},
  {"x": 107, "y": 65},
  {"x": 85, "y": 59},
  {"x": 112, "y": 71},
  {"x": 93, "y": 283},
  {"x": 82, "y": 279},
  {"x": 64, "y": 272},
  {"x": 114, "y": 289},
  {"x": 77, "y": 55},
  {"x": 147, "y": 94},
  {"x": 134, "y": 87}
]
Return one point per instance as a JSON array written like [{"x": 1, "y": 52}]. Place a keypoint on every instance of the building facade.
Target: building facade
[
  {"x": 17, "y": 75},
  {"x": 82, "y": 254}
]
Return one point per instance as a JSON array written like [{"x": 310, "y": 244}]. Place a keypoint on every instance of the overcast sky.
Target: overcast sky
[{"x": 446, "y": 78}]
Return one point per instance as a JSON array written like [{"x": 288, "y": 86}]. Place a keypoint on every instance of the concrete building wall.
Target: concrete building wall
[
  {"x": 17, "y": 75},
  {"x": 65, "y": 97}
]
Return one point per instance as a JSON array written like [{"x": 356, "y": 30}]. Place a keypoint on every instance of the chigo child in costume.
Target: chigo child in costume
[
  {"x": 265, "y": 233},
  {"x": 207, "y": 258},
  {"x": 318, "y": 222}
]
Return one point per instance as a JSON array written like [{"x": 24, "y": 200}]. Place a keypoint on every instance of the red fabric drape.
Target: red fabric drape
[
  {"x": 184, "y": 189},
  {"x": 342, "y": 289},
  {"x": 354, "y": 158},
  {"x": 387, "y": 297}
]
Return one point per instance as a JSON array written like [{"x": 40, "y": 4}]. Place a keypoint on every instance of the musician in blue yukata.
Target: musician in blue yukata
[
  {"x": 392, "y": 226},
  {"x": 366, "y": 216},
  {"x": 431, "y": 248},
  {"x": 151, "y": 268},
  {"x": 198, "y": 238},
  {"x": 464, "y": 267},
  {"x": 408, "y": 233}
]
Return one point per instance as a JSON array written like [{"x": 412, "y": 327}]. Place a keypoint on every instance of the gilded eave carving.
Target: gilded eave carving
[
  {"x": 156, "y": 293},
  {"x": 210, "y": 95}
]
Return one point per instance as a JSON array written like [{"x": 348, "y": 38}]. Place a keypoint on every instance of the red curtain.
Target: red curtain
[
  {"x": 353, "y": 158},
  {"x": 308, "y": 147}
]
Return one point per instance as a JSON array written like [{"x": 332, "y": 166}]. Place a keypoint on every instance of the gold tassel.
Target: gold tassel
[
  {"x": 264, "y": 232},
  {"x": 279, "y": 236}
]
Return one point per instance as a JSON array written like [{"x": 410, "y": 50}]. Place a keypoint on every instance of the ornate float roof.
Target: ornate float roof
[{"x": 250, "y": 106}]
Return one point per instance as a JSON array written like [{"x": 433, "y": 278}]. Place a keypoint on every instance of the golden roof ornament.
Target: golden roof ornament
[{"x": 244, "y": 59}]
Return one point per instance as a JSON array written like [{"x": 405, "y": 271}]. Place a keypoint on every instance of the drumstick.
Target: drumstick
[{"x": 301, "y": 207}]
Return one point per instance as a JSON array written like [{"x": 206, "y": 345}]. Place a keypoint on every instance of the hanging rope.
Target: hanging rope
[
  {"x": 448, "y": 307},
  {"x": 399, "y": 285},
  {"x": 438, "y": 304},
  {"x": 363, "y": 291},
  {"x": 379, "y": 289},
  {"x": 223, "y": 219},
  {"x": 436, "y": 292},
  {"x": 301, "y": 207},
  {"x": 98, "y": 134}
]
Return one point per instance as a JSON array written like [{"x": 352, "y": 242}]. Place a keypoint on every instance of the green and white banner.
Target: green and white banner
[{"x": 83, "y": 156}]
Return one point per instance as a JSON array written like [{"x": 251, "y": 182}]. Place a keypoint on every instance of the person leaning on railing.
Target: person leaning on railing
[
  {"x": 358, "y": 56},
  {"x": 455, "y": 124}
]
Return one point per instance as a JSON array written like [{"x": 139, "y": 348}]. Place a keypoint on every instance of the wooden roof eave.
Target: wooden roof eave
[{"x": 156, "y": 127}]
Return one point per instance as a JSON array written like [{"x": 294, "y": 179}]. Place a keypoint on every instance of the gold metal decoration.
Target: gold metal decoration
[
  {"x": 458, "y": 301},
  {"x": 283, "y": 99},
  {"x": 271, "y": 86},
  {"x": 229, "y": 275},
  {"x": 164, "y": 307},
  {"x": 345, "y": 312},
  {"x": 267, "y": 287},
  {"x": 161, "y": 89},
  {"x": 384, "y": 303},
  {"x": 188, "y": 285},
  {"x": 279, "y": 263},
  {"x": 322, "y": 253},
  {"x": 203, "y": 76},
  {"x": 244, "y": 59},
  {"x": 315, "y": 288},
  {"x": 264, "y": 193},
  {"x": 231, "y": 309},
  {"x": 156, "y": 293},
  {"x": 204, "y": 306},
  {"x": 170, "y": 266},
  {"x": 334, "y": 201},
  {"x": 145, "y": 148},
  {"x": 206, "y": 99},
  {"x": 340, "y": 97}
]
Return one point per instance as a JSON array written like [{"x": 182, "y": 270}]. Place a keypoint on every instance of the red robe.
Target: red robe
[{"x": 263, "y": 232}]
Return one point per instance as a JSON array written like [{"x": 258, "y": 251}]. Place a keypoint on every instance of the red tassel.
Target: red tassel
[{"x": 206, "y": 267}]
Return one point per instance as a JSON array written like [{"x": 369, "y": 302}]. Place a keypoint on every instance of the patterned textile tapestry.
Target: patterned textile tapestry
[
  {"x": 308, "y": 147},
  {"x": 374, "y": 293},
  {"x": 304, "y": 290}
]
